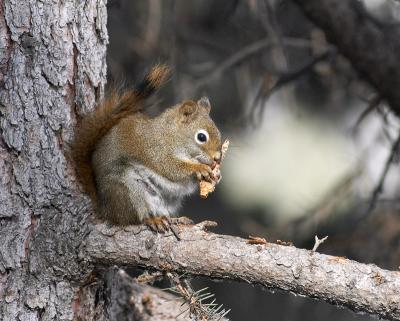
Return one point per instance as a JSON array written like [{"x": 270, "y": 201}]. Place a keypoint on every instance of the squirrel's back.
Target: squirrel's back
[{"x": 94, "y": 126}]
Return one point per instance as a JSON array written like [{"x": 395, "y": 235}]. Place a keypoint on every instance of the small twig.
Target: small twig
[
  {"x": 205, "y": 224},
  {"x": 318, "y": 242},
  {"x": 372, "y": 104},
  {"x": 256, "y": 240},
  {"x": 194, "y": 299},
  {"x": 378, "y": 189},
  {"x": 149, "y": 277},
  {"x": 284, "y": 243}
]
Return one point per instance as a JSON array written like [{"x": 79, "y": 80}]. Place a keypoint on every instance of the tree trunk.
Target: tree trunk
[
  {"x": 52, "y": 70},
  {"x": 52, "y": 64}
]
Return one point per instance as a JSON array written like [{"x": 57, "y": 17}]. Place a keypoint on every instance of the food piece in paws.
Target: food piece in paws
[{"x": 209, "y": 187}]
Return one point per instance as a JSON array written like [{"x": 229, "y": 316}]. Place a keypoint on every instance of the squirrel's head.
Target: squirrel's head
[{"x": 200, "y": 137}]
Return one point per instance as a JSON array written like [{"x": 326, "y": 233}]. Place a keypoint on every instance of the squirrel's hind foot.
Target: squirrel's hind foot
[
  {"x": 158, "y": 224},
  {"x": 162, "y": 224}
]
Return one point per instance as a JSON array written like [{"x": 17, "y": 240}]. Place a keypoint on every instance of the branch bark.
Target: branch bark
[
  {"x": 337, "y": 280},
  {"x": 371, "y": 46},
  {"x": 126, "y": 301}
]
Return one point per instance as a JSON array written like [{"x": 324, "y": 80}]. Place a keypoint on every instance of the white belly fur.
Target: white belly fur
[{"x": 162, "y": 196}]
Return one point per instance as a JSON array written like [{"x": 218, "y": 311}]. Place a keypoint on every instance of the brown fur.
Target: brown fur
[
  {"x": 144, "y": 166},
  {"x": 153, "y": 142},
  {"x": 158, "y": 75},
  {"x": 94, "y": 126},
  {"x": 135, "y": 167},
  {"x": 114, "y": 208}
]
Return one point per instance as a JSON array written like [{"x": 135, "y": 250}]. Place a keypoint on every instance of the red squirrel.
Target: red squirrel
[{"x": 137, "y": 169}]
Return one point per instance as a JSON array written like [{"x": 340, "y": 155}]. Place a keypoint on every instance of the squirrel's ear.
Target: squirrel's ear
[
  {"x": 205, "y": 103},
  {"x": 187, "y": 111}
]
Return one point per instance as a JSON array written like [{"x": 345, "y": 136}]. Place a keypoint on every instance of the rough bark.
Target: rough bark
[
  {"x": 126, "y": 301},
  {"x": 361, "y": 287},
  {"x": 52, "y": 64},
  {"x": 371, "y": 46}
]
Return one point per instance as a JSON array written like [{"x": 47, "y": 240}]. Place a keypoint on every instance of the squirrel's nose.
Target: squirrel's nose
[{"x": 217, "y": 156}]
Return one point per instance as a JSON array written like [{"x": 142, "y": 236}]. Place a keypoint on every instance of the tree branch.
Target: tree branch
[
  {"x": 361, "y": 287},
  {"x": 379, "y": 188},
  {"x": 127, "y": 300},
  {"x": 371, "y": 46}
]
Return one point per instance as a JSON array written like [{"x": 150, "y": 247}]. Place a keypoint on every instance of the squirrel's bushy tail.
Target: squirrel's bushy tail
[{"x": 95, "y": 125}]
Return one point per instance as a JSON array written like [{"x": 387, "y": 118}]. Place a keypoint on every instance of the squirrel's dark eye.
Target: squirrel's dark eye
[{"x": 201, "y": 136}]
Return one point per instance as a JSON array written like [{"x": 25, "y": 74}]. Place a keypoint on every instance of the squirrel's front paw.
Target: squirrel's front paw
[{"x": 205, "y": 173}]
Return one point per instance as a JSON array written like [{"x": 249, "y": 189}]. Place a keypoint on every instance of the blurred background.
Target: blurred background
[{"x": 314, "y": 151}]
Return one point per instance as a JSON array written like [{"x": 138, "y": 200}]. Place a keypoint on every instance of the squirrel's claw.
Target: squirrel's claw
[
  {"x": 162, "y": 224},
  {"x": 205, "y": 173},
  {"x": 157, "y": 224}
]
